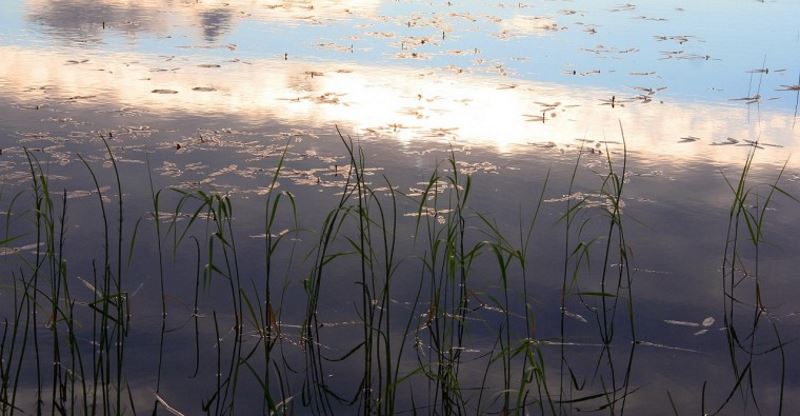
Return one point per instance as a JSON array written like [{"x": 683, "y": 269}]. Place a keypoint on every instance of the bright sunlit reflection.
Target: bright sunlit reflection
[{"x": 397, "y": 102}]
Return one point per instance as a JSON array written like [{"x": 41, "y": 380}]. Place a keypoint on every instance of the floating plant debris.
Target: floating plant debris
[{"x": 378, "y": 207}]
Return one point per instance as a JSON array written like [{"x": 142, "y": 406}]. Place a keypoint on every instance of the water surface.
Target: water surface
[{"x": 542, "y": 104}]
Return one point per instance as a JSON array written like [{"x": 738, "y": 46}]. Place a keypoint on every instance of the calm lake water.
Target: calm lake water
[{"x": 649, "y": 144}]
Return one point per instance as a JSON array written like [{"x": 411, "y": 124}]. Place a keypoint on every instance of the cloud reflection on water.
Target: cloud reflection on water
[
  {"x": 397, "y": 102},
  {"x": 83, "y": 17}
]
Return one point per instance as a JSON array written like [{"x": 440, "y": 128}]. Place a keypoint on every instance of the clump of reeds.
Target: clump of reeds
[{"x": 410, "y": 358}]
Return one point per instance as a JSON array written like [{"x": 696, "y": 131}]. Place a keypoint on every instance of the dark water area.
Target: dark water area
[{"x": 527, "y": 208}]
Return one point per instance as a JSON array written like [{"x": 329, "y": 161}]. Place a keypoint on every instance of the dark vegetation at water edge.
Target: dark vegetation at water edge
[{"x": 439, "y": 307}]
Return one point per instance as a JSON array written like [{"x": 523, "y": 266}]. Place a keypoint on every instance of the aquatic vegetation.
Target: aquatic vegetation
[
  {"x": 445, "y": 322},
  {"x": 376, "y": 207}
]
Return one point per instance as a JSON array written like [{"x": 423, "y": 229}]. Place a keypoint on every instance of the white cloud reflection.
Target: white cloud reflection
[
  {"x": 266, "y": 9},
  {"x": 397, "y": 102}
]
